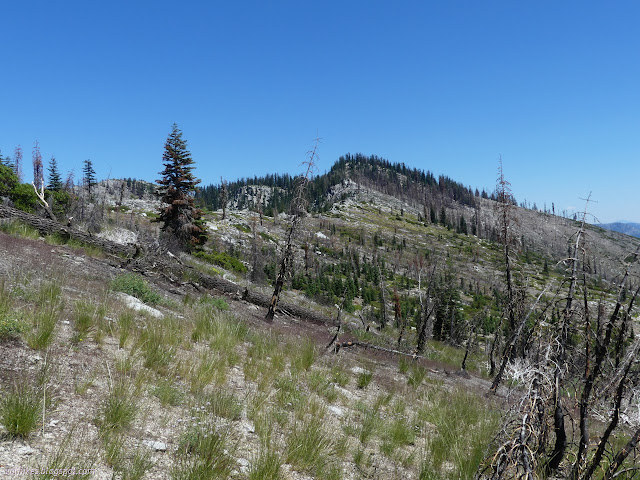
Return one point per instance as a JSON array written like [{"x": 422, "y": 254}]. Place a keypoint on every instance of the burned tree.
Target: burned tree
[
  {"x": 224, "y": 197},
  {"x": 583, "y": 367},
  {"x": 38, "y": 180},
  {"x": 297, "y": 211}
]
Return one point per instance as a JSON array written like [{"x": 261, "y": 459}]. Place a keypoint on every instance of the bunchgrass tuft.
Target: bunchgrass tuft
[
  {"x": 364, "y": 379},
  {"x": 85, "y": 314},
  {"x": 310, "y": 448},
  {"x": 168, "y": 393},
  {"x": 11, "y": 322},
  {"x": 125, "y": 326},
  {"x": 303, "y": 356},
  {"x": 267, "y": 466},
  {"x": 417, "y": 374},
  {"x": 119, "y": 408},
  {"x": 20, "y": 410},
  {"x": 19, "y": 229},
  {"x": 47, "y": 309},
  {"x": 202, "y": 452},
  {"x": 68, "y": 461},
  {"x": 157, "y": 342},
  {"x": 224, "y": 405},
  {"x": 463, "y": 425}
]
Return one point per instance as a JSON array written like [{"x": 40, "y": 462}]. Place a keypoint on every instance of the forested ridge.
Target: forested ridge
[{"x": 369, "y": 171}]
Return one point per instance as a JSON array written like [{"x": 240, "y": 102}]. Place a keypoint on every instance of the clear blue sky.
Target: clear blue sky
[{"x": 448, "y": 86}]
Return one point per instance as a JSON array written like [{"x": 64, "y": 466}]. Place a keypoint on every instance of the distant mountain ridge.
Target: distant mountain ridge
[{"x": 628, "y": 228}]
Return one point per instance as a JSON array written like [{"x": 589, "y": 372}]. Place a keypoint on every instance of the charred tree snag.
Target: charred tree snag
[{"x": 298, "y": 210}]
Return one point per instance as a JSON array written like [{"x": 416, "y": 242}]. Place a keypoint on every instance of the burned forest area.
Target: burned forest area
[{"x": 372, "y": 322}]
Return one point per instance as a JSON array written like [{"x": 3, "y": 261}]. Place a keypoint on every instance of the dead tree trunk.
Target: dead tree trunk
[{"x": 298, "y": 209}]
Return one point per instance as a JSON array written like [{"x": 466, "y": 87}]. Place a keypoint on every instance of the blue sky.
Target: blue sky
[{"x": 449, "y": 86}]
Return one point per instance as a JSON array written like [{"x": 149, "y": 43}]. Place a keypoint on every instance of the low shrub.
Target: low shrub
[{"x": 135, "y": 286}]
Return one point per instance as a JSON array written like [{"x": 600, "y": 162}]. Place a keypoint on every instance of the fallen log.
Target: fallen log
[{"x": 50, "y": 227}]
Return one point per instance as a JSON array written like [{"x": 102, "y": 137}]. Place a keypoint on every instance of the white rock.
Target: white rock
[
  {"x": 357, "y": 370},
  {"x": 154, "y": 445},
  {"x": 336, "y": 410},
  {"x": 248, "y": 427},
  {"x": 321, "y": 235},
  {"x": 244, "y": 464},
  {"x": 347, "y": 393},
  {"x": 25, "y": 450},
  {"x": 138, "y": 305}
]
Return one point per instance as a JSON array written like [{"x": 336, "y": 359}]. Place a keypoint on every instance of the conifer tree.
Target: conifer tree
[
  {"x": 55, "y": 180},
  {"x": 6, "y": 161},
  {"x": 176, "y": 189},
  {"x": 89, "y": 176}
]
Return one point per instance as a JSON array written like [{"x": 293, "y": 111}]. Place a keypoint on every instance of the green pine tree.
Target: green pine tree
[
  {"x": 177, "y": 188},
  {"x": 55, "y": 180},
  {"x": 89, "y": 176}
]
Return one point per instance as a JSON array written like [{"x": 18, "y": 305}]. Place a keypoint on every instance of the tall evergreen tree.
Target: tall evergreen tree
[
  {"x": 177, "y": 188},
  {"x": 88, "y": 176},
  {"x": 6, "y": 161},
  {"x": 55, "y": 180}
]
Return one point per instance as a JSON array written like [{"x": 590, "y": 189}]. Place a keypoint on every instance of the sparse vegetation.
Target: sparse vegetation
[
  {"x": 135, "y": 286},
  {"x": 231, "y": 397},
  {"x": 223, "y": 260},
  {"x": 21, "y": 409}
]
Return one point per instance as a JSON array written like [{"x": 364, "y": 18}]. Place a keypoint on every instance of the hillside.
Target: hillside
[{"x": 159, "y": 364}]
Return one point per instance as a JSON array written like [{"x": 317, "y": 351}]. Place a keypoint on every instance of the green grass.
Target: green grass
[
  {"x": 19, "y": 229},
  {"x": 158, "y": 343},
  {"x": 125, "y": 327},
  {"x": 223, "y": 404},
  {"x": 66, "y": 459},
  {"x": 83, "y": 248},
  {"x": 417, "y": 374},
  {"x": 339, "y": 375},
  {"x": 320, "y": 383},
  {"x": 403, "y": 365},
  {"x": 310, "y": 449},
  {"x": 12, "y": 324},
  {"x": 202, "y": 453},
  {"x": 219, "y": 303},
  {"x": 396, "y": 433},
  {"x": 288, "y": 395},
  {"x": 204, "y": 368},
  {"x": 126, "y": 465},
  {"x": 84, "y": 313},
  {"x": 119, "y": 408},
  {"x": 20, "y": 410},
  {"x": 134, "y": 285},
  {"x": 223, "y": 260},
  {"x": 168, "y": 393},
  {"x": 267, "y": 466},
  {"x": 368, "y": 424},
  {"x": 46, "y": 313},
  {"x": 303, "y": 356},
  {"x": 364, "y": 379},
  {"x": 463, "y": 425},
  {"x": 268, "y": 237}
]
